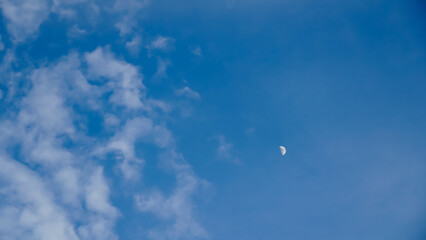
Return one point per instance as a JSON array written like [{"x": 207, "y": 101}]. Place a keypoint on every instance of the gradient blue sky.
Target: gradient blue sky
[{"x": 127, "y": 119}]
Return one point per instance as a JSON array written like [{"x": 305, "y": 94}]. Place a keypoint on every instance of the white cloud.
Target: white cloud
[
  {"x": 69, "y": 178},
  {"x": 96, "y": 227},
  {"x": 44, "y": 117},
  {"x": 125, "y": 80},
  {"x": 177, "y": 207},
  {"x": 187, "y": 92},
  {"x": 134, "y": 45},
  {"x": 67, "y": 188},
  {"x": 224, "y": 150},
  {"x": 250, "y": 131},
  {"x": 1, "y": 44},
  {"x": 122, "y": 143},
  {"x": 162, "y": 65},
  {"x": 76, "y": 32},
  {"x": 47, "y": 203},
  {"x": 24, "y": 17},
  {"x": 68, "y": 8},
  {"x": 32, "y": 212},
  {"x": 161, "y": 43},
  {"x": 111, "y": 121},
  {"x": 97, "y": 193},
  {"x": 10, "y": 79},
  {"x": 197, "y": 51},
  {"x": 129, "y": 11},
  {"x": 45, "y": 104}
]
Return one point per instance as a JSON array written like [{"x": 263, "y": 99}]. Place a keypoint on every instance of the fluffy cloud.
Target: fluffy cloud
[
  {"x": 24, "y": 17},
  {"x": 124, "y": 78},
  {"x": 97, "y": 192},
  {"x": 48, "y": 202},
  {"x": 32, "y": 212},
  {"x": 52, "y": 178}
]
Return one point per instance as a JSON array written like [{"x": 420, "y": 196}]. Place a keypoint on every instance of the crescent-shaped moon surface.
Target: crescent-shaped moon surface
[{"x": 283, "y": 150}]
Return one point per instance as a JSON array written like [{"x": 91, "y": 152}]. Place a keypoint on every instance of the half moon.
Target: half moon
[{"x": 283, "y": 150}]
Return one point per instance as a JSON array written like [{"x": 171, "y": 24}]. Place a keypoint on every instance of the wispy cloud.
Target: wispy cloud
[
  {"x": 128, "y": 13},
  {"x": 1, "y": 44},
  {"x": 162, "y": 65},
  {"x": 250, "y": 131},
  {"x": 76, "y": 32},
  {"x": 225, "y": 149},
  {"x": 161, "y": 43},
  {"x": 197, "y": 51},
  {"x": 122, "y": 144},
  {"x": 178, "y": 206},
  {"x": 187, "y": 92},
  {"x": 134, "y": 45}
]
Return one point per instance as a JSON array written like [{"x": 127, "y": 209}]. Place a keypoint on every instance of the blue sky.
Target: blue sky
[{"x": 127, "y": 119}]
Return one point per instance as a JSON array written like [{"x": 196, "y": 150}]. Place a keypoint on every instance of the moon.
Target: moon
[{"x": 283, "y": 150}]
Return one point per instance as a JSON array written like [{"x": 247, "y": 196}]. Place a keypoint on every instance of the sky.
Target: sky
[{"x": 161, "y": 119}]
